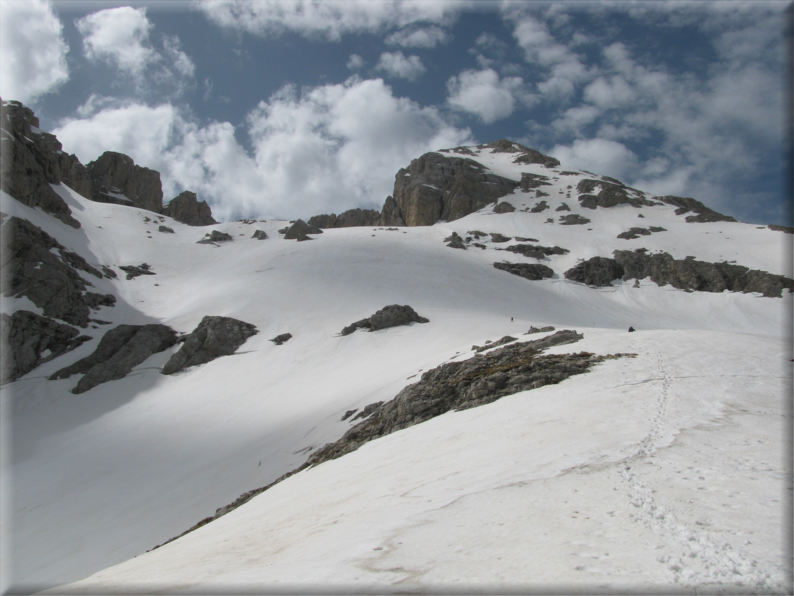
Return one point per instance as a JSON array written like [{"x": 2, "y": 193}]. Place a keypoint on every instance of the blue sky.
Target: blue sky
[{"x": 291, "y": 109}]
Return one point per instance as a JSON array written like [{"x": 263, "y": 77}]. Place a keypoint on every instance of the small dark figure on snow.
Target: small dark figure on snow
[{"x": 631, "y": 329}]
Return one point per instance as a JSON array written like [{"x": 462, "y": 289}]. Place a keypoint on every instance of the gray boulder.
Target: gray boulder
[
  {"x": 259, "y": 235},
  {"x": 24, "y": 339},
  {"x": 119, "y": 351},
  {"x": 299, "y": 230},
  {"x": 166, "y": 230},
  {"x": 214, "y": 337},
  {"x": 215, "y": 236},
  {"x": 283, "y": 338},
  {"x": 32, "y": 160},
  {"x": 33, "y": 264},
  {"x": 187, "y": 209},
  {"x": 455, "y": 241},
  {"x": 388, "y": 316}
]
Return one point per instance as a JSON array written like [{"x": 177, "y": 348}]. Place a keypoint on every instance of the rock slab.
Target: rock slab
[
  {"x": 119, "y": 351},
  {"x": 389, "y": 316},
  {"x": 214, "y": 337}
]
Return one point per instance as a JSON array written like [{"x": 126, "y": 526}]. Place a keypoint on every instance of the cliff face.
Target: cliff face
[
  {"x": 116, "y": 179},
  {"x": 32, "y": 160},
  {"x": 436, "y": 187},
  {"x": 186, "y": 208}
]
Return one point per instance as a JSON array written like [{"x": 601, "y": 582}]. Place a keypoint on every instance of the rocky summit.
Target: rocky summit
[{"x": 215, "y": 389}]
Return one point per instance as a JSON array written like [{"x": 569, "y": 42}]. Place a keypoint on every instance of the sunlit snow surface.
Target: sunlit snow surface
[{"x": 665, "y": 471}]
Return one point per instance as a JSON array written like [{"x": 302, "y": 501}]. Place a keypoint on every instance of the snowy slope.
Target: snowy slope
[{"x": 101, "y": 477}]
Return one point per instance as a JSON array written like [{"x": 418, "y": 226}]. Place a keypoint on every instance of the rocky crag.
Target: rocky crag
[
  {"x": 477, "y": 381},
  {"x": 684, "y": 274}
]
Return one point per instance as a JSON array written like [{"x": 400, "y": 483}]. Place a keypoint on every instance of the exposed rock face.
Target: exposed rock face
[
  {"x": 498, "y": 238},
  {"x": 784, "y": 229},
  {"x": 26, "y": 337},
  {"x": 299, "y": 230},
  {"x": 259, "y": 235},
  {"x": 609, "y": 195},
  {"x": 453, "y": 386},
  {"x": 532, "y": 272},
  {"x": 702, "y": 213},
  {"x": 536, "y": 251},
  {"x": 119, "y": 351},
  {"x": 186, "y": 208},
  {"x": 573, "y": 219},
  {"x": 563, "y": 207},
  {"x": 116, "y": 179},
  {"x": 133, "y": 271},
  {"x": 533, "y": 181},
  {"x": 461, "y": 385},
  {"x": 436, "y": 187},
  {"x": 214, "y": 337},
  {"x": 32, "y": 160},
  {"x": 348, "y": 219},
  {"x": 503, "y": 207},
  {"x": 166, "y": 230},
  {"x": 494, "y": 344},
  {"x": 684, "y": 274},
  {"x": 633, "y": 233},
  {"x": 30, "y": 268},
  {"x": 391, "y": 214},
  {"x": 525, "y": 154},
  {"x": 533, "y": 330},
  {"x": 598, "y": 271},
  {"x": 389, "y": 316}
]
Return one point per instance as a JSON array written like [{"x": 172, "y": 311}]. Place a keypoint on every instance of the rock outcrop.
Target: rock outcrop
[
  {"x": 462, "y": 385},
  {"x": 536, "y": 251},
  {"x": 684, "y": 274},
  {"x": 134, "y": 271},
  {"x": 214, "y": 337},
  {"x": 573, "y": 219},
  {"x": 214, "y": 237},
  {"x": 116, "y": 179},
  {"x": 29, "y": 340},
  {"x": 32, "y": 160},
  {"x": 119, "y": 351},
  {"x": 281, "y": 339},
  {"x": 609, "y": 194},
  {"x": 299, "y": 230},
  {"x": 702, "y": 213},
  {"x": 477, "y": 381},
  {"x": 504, "y": 207},
  {"x": 36, "y": 266},
  {"x": 187, "y": 209},
  {"x": 389, "y": 316},
  {"x": 437, "y": 187},
  {"x": 348, "y": 219},
  {"x": 530, "y": 271},
  {"x": 259, "y": 235}
]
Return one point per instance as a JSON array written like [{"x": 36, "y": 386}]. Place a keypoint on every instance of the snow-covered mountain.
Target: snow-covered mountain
[{"x": 590, "y": 460}]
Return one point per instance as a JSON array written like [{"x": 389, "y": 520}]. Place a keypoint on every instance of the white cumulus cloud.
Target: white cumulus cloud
[
  {"x": 484, "y": 94},
  {"x": 397, "y": 65},
  {"x": 419, "y": 37},
  {"x": 118, "y": 36},
  {"x": 324, "y": 19},
  {"x": 601, "y": 156},
  {"x": 330, "y": 148},
  {"x": 32, "y": 50}
]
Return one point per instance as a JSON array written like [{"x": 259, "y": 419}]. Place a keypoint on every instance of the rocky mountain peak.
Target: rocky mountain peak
[
  {"x": 116, "y": 179},
  {"x": 186, "y": 208}
]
